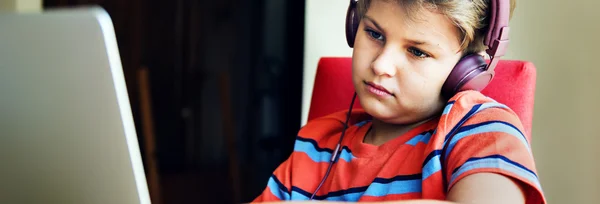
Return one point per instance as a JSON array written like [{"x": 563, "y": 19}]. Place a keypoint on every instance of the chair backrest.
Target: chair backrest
[{"x": 513, "y": 85}]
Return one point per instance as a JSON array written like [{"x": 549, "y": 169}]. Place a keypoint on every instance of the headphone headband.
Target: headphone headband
[{"x": 496, "y": 38}]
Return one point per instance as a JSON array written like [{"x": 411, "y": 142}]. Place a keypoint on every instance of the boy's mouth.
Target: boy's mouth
[{"x": 377, "y": 89}]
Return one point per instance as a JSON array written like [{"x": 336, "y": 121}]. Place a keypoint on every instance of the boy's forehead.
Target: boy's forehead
[{"x": 421, "y": 24}]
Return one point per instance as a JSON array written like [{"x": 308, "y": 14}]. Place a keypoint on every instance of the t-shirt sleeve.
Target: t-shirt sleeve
[
  {"x": 492, "y": 141},
  {"x": 279, "y": 184}
]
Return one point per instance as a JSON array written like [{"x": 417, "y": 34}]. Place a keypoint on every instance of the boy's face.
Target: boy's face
[{"x": 400, "y": 64}]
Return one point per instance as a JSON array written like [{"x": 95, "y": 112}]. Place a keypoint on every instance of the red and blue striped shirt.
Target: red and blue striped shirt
[{"x": 423, "y": 163}]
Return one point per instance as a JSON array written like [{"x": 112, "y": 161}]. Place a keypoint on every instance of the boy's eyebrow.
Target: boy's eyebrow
[
  {"x": 416, "y": 42},
  {"x": 373, "y": 21},
  {"x": 424, "y": 43}
]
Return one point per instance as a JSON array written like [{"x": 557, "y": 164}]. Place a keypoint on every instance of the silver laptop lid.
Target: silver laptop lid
[{"x": 66, "y": 130}]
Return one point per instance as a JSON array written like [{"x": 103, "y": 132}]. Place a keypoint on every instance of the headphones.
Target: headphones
[{"x": 471, "y": 72}]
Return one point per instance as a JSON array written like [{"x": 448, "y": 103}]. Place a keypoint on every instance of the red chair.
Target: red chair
[{"x": 513, "y": 85}]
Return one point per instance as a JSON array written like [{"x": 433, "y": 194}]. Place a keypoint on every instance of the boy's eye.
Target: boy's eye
[
  {"x": 418, "y": 53},
  {"x": 374, "y": 35}
]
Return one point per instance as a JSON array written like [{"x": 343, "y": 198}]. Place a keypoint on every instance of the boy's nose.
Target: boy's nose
[{"x": 387, "y": 63}]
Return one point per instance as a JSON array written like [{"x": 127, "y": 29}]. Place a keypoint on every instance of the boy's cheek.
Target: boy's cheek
[{"x": 362, "y": 58}]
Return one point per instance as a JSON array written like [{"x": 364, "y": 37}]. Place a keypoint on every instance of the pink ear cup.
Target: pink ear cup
[
  {"x": 352, "y": 22},
  {"x": 469, "y": 74}
]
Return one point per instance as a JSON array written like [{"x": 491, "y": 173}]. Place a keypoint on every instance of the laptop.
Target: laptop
[{"x": 67, "y": 133}]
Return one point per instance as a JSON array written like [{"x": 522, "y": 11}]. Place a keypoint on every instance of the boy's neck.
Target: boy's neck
[{"x": 382, "y": 132}]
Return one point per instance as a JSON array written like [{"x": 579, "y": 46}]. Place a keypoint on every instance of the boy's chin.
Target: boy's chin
[
  {"x": 381, "y": 111},
  {"x": 387, "y": 113}
]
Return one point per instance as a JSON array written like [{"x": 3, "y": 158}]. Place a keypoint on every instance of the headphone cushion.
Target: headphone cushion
[
  {"x": 468, "y": 74},
  {"x": 352, "y": 22}
]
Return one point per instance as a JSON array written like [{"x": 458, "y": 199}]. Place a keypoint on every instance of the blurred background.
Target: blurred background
[
  {"x": 230, "y": 84},
  {"x": 224, "y": 91}
]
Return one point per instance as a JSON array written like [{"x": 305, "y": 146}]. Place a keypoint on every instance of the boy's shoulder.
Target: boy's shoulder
[
  {"x": 468, "y": 99},
  {"x": 470, "y": 102},
  {"x": 474, "y": 106},
  {"x": 331, "y": 124}
]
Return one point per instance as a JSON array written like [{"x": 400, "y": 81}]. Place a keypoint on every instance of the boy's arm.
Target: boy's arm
[
  {"x": 489, "y": 160},
  {"x": 486, "y": 188}
]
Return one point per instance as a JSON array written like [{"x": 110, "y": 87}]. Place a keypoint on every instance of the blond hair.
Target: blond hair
[{"x": 469, "y": 16}]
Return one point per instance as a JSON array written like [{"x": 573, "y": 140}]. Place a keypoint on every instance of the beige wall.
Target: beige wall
[
  {"x": 324, "y": 36},
  {"x": 561, "y": 39},
  {"x": 20, "y": 5},
  {"x": 7, "y": 5}
]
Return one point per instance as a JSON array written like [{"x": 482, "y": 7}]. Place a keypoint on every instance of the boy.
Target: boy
[{"x": 412, "y": 142}]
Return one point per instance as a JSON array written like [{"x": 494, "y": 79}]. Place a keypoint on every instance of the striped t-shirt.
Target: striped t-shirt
[{"x": 488, "y": 138}]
